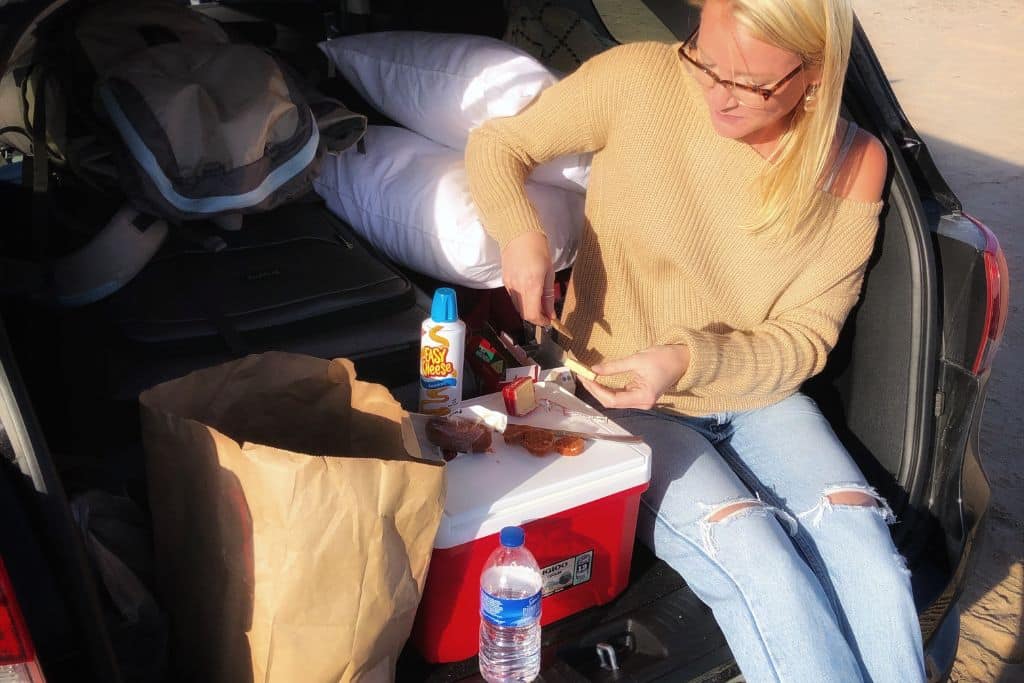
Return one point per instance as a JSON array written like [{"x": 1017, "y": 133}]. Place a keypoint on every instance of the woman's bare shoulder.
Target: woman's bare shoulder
[{"x": 861, "y": 176}]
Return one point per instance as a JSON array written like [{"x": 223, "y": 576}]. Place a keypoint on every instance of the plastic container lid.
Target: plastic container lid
[
  {"x": 445, "y": 306},
  {"x": 512, "y": 536},
  {"x": 509, "y": 487}
]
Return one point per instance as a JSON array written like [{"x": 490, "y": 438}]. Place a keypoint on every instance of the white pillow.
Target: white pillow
[
  {"x": 409, "y": 197},
  {"x": 442, "y": 85},
  {"x": 571, "y": 172}
]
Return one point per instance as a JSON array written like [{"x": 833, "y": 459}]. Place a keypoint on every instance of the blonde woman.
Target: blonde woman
[{"x": 731, "y": 213}]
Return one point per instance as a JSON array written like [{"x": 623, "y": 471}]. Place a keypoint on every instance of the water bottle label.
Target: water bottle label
[{"x": 510, "y": 611}]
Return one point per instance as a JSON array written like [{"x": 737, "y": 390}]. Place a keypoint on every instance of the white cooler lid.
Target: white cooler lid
[{"x": 509, "y": 486}]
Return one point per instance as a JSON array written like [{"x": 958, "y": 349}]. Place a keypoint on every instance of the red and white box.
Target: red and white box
[{"x": 579, "y": 513}]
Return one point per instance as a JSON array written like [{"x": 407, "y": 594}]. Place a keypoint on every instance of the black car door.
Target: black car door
[{"x": 41, "y": 548}]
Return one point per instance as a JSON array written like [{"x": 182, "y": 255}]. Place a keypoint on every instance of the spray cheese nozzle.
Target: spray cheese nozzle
[{"x": 445, "y": 307}]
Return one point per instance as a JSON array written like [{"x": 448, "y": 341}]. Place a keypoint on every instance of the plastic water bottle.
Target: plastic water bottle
[{"x": 510, "y": 589}]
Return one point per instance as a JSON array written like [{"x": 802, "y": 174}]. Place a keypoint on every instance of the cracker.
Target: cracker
[{"x": 580, "y": 369}]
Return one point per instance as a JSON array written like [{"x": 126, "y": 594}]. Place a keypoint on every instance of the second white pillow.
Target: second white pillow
[{"x": 409, "y": 197}]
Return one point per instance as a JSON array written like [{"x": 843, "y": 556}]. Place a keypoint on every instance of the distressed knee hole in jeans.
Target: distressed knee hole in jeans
[
  {"x": 733, "y": 510},
  {"x": 848, "y": 497}
]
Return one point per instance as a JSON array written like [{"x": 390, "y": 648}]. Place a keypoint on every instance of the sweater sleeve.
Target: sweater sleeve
[
  {"x": 777, "y": 356},
  {"x": 572, "y": 116}
]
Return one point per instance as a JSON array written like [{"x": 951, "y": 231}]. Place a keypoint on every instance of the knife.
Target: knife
[
  {"x": 561, "y": 329},
  {"x": 620, "y": 438},
  {"x": 548, "y": 353},
  {"x": 499, "y": 423}
]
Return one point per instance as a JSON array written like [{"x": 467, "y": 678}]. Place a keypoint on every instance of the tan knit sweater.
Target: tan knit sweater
[{"x": 664, "y": 258}]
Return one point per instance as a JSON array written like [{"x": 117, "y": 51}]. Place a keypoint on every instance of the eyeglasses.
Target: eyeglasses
[{"x": 753, "y": 96}]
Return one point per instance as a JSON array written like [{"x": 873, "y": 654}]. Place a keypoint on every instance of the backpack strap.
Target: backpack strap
[{"x": 844, "y": 150}]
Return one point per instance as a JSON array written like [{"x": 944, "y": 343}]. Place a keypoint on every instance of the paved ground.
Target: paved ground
[{"x": 957, "y": 67}]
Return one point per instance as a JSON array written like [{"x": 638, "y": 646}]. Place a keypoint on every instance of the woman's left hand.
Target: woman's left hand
[{"x": 654, "y": 371}]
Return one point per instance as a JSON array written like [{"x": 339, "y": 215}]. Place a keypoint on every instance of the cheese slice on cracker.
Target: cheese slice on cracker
[{"x": 578, "y": 368}]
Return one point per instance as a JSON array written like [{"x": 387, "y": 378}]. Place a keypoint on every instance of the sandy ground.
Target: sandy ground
[{"x": 957, "y": 67}]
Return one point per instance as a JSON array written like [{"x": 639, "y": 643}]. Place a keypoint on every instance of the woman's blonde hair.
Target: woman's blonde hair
[{"x": 820, "y": 33}]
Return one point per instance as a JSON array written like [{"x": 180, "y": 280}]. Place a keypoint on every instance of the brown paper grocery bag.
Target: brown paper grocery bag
[{"x": 293, "y": 528}]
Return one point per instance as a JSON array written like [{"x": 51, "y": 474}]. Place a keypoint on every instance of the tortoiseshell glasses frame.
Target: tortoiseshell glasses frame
[{"x": 739, "y": 90}]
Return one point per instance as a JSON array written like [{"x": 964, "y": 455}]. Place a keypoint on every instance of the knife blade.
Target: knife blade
[
  {"x": 549, "y": 353},
  {"x": 499, "y": 423},
  {"x": 561, "y": 329},
  {"x": 620, "y": 438}
]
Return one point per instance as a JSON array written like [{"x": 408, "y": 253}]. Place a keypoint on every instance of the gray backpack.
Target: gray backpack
[{"x": 196, "y": 126}]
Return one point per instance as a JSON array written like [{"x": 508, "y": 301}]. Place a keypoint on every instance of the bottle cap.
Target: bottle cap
[
  {"x": 512, "y": 536},
  {"x": 445, "y": 307}
]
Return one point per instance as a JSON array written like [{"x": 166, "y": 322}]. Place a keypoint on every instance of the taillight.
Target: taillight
[
  {"x": 18, "y": 663},
  {"x": 997, "y": 281}
]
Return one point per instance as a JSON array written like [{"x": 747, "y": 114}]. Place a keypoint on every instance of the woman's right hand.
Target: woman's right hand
[{"x": 529, "y": 277}]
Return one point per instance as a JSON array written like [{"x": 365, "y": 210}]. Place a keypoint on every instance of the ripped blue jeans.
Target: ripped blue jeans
[{"x": 748, "y": 508}]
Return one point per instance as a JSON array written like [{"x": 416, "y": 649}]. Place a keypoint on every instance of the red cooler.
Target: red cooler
[{"x": 579, "y": 513}]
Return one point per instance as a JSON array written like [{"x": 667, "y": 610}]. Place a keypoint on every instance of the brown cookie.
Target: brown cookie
[
  {"x": 539, "y": 441},
  {"x": 514, "y": 434},
  {"x": 569, "y": 445},
  {"x": 458, "y": 434}
]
